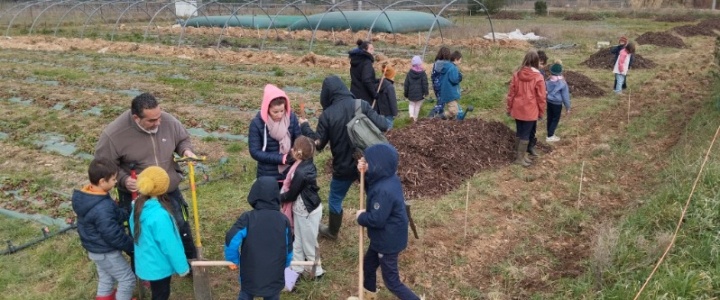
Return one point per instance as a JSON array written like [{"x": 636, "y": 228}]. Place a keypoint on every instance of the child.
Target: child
[
  {"x": 441, "y": 58},
  {"x": 543, "y": 63},
  {"x": 415, "y": 87},
  {"x": 386, "y": 220},
  {"x": 558, "y": 94},
  {"x": 622, "y": 65},
  {"x": 101, "y": 231},
  {"x": 450, "y": 79},
  {"x": 159, "y": 252},
  {"x": 260, "y": 243},
  {"x": 616, "y": 50},
  {"x": 386, "y": 98},
  {"x": 526, "y": 104},
  {"x": 300, "y": 188}
]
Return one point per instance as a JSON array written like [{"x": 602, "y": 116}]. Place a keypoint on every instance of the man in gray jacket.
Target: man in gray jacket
[{"x": 146, "y": 136}]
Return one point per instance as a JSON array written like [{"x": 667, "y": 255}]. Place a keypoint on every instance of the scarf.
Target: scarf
[
  {"x": 418, "y": 68},
  {"x": 279, "y": 132},
  {"x": 286, "y": 208},
  {"x": 556, "y": 77}
]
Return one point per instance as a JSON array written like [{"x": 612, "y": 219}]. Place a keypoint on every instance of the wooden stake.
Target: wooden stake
[
  {"x": 467, "y": 200},
  {"x": 628, "y": 110},
  {"x": 582, "y": 172},
  {"x": 361, "y": 241}
]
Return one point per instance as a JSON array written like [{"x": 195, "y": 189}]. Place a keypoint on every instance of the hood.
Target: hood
[
  {"x": 382, "y": 162},
  {"x": 265, "y": 194},
  {"x": 358, "y": 56},
  {"x": 83, "y": 202},
  {"x": 271, "y": 92},
  {"x": 555, "y": 84},
  {"x": 415, "y": 74},
  {"x": 439, "y": 65},
  {"x": 333, "y": 89},
  {"x": 528, "y": 74}
]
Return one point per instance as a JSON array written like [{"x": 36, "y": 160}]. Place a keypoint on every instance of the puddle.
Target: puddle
[
  {"x": 293, "y": 89},
  {"x": 3, "y": 136},
  {"x": 199, "y": 132},
  {"x": 19, "y": 100},
  {"x": 52, "y": 142},
  {"x": 95, "y": 110}
]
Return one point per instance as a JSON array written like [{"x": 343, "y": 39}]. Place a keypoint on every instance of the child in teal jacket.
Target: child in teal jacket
[{"x": 159, "y": 252}]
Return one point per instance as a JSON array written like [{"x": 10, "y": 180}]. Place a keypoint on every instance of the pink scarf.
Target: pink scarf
[
  {"x": 556, "y": 77},
  {"x": 418, "y": 68},
  {"x": 286, "y": 207},
  {"x": 279, "y": 132}
]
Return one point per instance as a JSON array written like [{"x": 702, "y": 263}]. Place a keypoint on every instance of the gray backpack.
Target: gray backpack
[{"x": 362, "y": 131}]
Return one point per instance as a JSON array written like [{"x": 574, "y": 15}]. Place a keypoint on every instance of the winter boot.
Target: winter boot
[
  {"x": 527, "y": 159},
  {"x": 108, "y": 297},
  {"x": 531, "y": 147},
  {"x": 368, "y": 295},
  {"x": 521, "y": 149},
  {"x": 331, "y": 232}
]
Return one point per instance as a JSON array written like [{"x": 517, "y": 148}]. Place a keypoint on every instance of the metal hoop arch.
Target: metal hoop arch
[
  {"x": 182, "y": 32},
  {"x": 427, "y": 38},
  {"x": 82, "y": 32},
  {"x": 234, "y": 14},
  {"x": 57, "y": 26},
  {"x": 312, "y": 39},
  {"x": 19, "y": 4},
  {"x": 7, "y": 31},
  {"x": 147, "y": 28},
  {"x": 112, "y": 35},
  {"x": 262, "y": 45},
  {"x": 43, "y": 11}
]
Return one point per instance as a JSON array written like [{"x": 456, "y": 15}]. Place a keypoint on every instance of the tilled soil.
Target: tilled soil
[
  {"x": 582, "y": 86},
  {"x": 694, "y": 30},
  {"x": 604, "y": 59},
  {"x": 437, "y": 155},
  {"x": 582, "y": 17},
  {"x": 677, "y": 18},
  {"x": 507, "y": 15},
  {"x": 662, "y": 39}
]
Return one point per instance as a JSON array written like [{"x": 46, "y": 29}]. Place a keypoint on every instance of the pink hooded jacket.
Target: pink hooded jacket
[{"x": 271, "y": 92}]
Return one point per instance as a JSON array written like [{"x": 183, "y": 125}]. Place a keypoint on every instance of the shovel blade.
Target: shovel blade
[{"x": 201, "y": 284}]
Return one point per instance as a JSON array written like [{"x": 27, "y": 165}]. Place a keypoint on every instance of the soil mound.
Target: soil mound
[
  {"x": 437, "y": 155},
  {"x": 662, "y": 39},
  {"x": 710, "y": 23},
  {"x": 582, "y": 17},
  {"x": 507, "y": 15},
  {"x": 677, "y": 18},
  {"x": 582, "y": 86},
  {"x": 604, "y": 59},
  {"x": 694, "y": 30}
]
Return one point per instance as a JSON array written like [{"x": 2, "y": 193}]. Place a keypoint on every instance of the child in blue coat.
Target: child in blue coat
[
  {"x": 101, "y": 231},
  {"x": 558, "y": 94},
  {"x": 159, "y": 252},
  {"x": 260, "y": 243},
  {"x": 386, "y": 221}
]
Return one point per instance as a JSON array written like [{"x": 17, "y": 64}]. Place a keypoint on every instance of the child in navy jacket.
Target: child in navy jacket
[
  {"x": 386, "y": 220},
  {"x": 260, "y": 242}
]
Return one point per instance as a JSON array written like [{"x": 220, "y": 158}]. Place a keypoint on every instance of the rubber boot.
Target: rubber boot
[
  {"x": 368, "y": 295},
  {"x": 527, "y": 159},
  {"x": 108, "y": 297},
  {"x": 521, "y": 149},
  {"x": 531, "y": 147},
  {"x": 331, "y": 232}
]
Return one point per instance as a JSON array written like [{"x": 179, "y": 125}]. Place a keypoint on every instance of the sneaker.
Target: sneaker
[{"x": 553, "y": 138}]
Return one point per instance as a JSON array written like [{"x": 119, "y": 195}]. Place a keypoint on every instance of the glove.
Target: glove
[{"x": 289, "y": 159}]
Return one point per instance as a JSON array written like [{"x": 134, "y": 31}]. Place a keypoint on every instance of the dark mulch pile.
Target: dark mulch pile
[
  {"x": 662, "y": 39},
  {"x": 507, "y": 15},
  {"x": 694, "y": 30},
  {"x": 677, "y": 18},
  {"x": 582, "y": 86},
  {"x": 582, "y": 17},
  {"x": 604, "y": 59},
  {"x": 436, "y": 156},
  {"x": 710, "y": 23}
]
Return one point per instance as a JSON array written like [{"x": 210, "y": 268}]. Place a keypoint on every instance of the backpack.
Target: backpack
[
  {"x": 435, "y": 78},
  {"x": 362, "y": 131}
]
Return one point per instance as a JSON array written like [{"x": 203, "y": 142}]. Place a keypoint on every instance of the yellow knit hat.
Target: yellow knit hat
[{"x": 153, "y": 181}]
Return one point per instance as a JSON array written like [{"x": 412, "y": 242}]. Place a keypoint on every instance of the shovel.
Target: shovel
[
  {"x": 201, "y": 284},
  {"x": 361, "y": 241}
]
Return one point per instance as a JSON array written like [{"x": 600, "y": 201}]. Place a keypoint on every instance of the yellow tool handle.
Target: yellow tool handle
[{"x": 196, "y": 217}]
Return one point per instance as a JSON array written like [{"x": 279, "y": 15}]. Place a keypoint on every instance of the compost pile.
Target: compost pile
[
  {"x": 704, "y": 28},
  {"x": 677, "y": 18},
  {"x": 662, "y": 39},
  {"x": 437, "y": 155},
  {"x": 581, "y": 85},
  {"x": 582, "y": 17},
  {"x": 604, "y": 59}
]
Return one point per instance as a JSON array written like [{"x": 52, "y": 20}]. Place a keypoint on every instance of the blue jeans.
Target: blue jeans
[
  {"x": 338, "y": 190},
  {"x": 245, "y": 296},
  {"x": 388, "y": 264},
  {"x": 619, "y": 80},
  {"x": 390, "y": 120}
]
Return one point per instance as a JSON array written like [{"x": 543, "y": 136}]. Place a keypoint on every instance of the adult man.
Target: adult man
[
  {"x": 135, "y": 141},
  {"x": 338, "y": 109}
]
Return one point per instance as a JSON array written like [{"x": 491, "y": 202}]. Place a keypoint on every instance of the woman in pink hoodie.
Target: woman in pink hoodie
[
  {"x": 526, "y": 104},
  {"x": 272, "y": 133}
]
